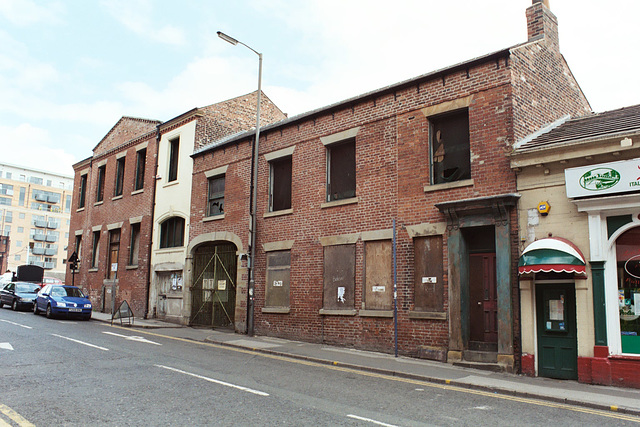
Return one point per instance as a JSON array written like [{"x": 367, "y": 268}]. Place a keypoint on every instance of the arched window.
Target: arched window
[{"x": 172, "y": 232}]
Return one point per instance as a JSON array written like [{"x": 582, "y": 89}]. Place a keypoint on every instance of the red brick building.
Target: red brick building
[
  {"x": 123, "y": 199},
  {"x": 429, "y": 153}
]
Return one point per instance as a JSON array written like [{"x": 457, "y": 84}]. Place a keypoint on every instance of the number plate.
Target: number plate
[{"x": 75, "y": 310}]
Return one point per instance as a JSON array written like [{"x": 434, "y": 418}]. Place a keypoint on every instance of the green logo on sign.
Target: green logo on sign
[{"x": 599, "y": 179}]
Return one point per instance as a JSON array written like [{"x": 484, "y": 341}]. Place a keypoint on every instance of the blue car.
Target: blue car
[
  {"x": 19, "y": 295},
  {"x": 57, "y": 300}
]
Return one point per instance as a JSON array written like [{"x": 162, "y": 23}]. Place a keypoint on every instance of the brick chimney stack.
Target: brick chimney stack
[{"x": 541, "y": 22}]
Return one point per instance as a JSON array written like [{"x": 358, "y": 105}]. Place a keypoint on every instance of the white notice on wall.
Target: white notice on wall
[
  {"x": 429, "y": 280},
  {"x": 277, "y": 283},
  {"x": 377, "y": 288},
  {"x": 341, "y": 291},
  {"x": 222, "y": 285}
]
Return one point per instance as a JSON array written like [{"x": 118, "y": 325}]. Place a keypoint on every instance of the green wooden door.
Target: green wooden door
[{"x": 557, "y": 335}]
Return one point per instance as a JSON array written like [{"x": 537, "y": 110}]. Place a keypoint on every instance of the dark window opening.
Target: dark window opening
[
  {"x": 280, "y": 189},
  {"x": 83, "y": 191},
  {"x": 134, "y": 244},
  {"x": 215, "y": 203},
  {"x": 100, "y": 187},
  {"x": 119, "y": 177},
  {"x": 172, "y": 233},
  {"x": 94, "y": 251},
  {"x": 174, "y": 146},
  {"x": 341, "y": 173},
  {"x": 141, "y": 159},
  {"x": 450, "y": 150}
]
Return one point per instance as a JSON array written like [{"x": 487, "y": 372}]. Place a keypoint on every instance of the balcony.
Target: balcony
[
  {"x": 39, "y": 237},
  {"x": 38, "y": 263},
  {"x": 53, "y": 225},
  {"x": 51, "y": 239},
  {"x": 40, "y": 223},
  {"x": 53, "y": 198},
  {"x": 40, "y": 197},
  {"x": 50, "y": 251},
  {"x": 38, "y": 251},
  {"x": 49, "y": 265}
]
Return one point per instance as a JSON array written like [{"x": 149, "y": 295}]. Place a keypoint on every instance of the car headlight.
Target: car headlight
[
  {"x": 87, "y": 306},
  {"x": 61, "y": 304}
]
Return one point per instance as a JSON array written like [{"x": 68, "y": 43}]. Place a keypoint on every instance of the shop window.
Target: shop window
[
  {"x": 172, "y": 232},
  {"x": 100, "y": 184},
  {"x": 280, "y": 184},
  {"x": 339, "y": 277},
  {"x": 449, "y": 147},
  {"x": 141, "y": 160},
  {"x": 119, "y": 177},
  {"x": 134, "y": 244},
  {"x": 174, "y": 147},
  {"x": 628, "y": 257},
  {"x": 82, "y": 194},
  {"x": 278, "y": 274},
  {"x": 341, "y": 170},
  {"x": 428, "y": 274},
  {"x": 215, "y": 202},
  {"x": 378, "y": 275}
]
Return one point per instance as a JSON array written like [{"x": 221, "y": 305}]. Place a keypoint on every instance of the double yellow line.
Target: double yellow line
[{"x": 13, "y": 416}]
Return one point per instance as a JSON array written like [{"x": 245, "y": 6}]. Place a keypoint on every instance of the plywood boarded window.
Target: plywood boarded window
[
  {"x": 428, "y": 274},
  {"x": 278, "y": 273},
  {"x": 339, "y": 277},
  {"x": 378, "y": 275},
  {"x": 450, "y": 149}
]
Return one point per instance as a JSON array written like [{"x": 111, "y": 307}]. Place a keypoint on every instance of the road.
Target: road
[{"x": 63, "y": 372}]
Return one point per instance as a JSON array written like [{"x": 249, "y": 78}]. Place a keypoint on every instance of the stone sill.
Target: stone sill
[
  {"x": 427, "y": 315},
  {"x": 276, "y": 310},
  {"x": 326, "y": 312},
  {"x": 342, "y": 202},
  {"x": 449, "y": 185},
  {"x": 278, "y": 213},
  {"x": 213, "y": 218}
]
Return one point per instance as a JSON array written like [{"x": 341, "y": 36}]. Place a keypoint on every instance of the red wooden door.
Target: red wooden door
[{"x": 483, "y": 307}]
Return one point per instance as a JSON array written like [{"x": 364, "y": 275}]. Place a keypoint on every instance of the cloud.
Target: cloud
[
  {"x": 24, "y": 13},
  {"x": 137, "y": 16},
  {"x": 31, "y": 146}
]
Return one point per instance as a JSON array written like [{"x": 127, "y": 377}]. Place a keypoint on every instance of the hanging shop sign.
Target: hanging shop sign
[{"x": 603, "y": 179}]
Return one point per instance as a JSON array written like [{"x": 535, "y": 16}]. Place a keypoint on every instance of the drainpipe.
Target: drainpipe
[{"x": 153, "y": 212}]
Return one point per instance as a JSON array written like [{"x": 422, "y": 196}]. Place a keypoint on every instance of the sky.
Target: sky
[{"x": 70, "y": 69}]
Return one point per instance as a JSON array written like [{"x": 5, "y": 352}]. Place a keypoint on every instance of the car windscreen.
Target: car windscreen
[
  {"x": 27, "y": 288},
  {"x": 74, "y": 292}
]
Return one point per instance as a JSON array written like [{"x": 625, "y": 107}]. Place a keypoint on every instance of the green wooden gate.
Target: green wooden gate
[{"x": 214, "y": 287}]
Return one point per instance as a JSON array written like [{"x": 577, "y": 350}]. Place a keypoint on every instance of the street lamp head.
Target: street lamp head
[{"x": 227, "y": 38}]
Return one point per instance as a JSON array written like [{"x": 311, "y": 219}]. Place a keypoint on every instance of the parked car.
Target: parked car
[
  {"x": 19, "y": 295},
  {"x": 64, "y": 300}
]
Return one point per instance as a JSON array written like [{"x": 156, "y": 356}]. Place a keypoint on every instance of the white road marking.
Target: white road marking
[
  {"x": 132, "y": 338},
  {"x": 16, "y": 324},
  {"x": 81, "y": 342},
  {"x": 239, "y": 387},
  {"x": 6, "y": 346},
  {"x": 369, "y": 420}
]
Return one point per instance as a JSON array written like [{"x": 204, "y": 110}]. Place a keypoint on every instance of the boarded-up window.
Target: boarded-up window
[
  {"x": 428, "y": 274},
  {"x": 278, "y": 272},
  {"x": 339, "y": 277},
  {"x": 450, "y": 149},
  {"x": 378, "y": 275}
]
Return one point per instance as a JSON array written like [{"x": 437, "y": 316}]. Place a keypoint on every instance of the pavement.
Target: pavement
[{"x": 623, "y": 400}]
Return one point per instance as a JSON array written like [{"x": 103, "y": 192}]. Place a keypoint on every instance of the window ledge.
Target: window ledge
[
  {"x": 375, "y": 313},
  {"x": 98, "y": 203},
  {"x": 428, "y": 315},
  {"x": 449, "y": 185},
  {"x": 212, "y": 218},
  {"x": 277, "y": 310},
  {"x": 278, "y": 213},
  {"x": 177, "y": 249},
  {"x": 117, "y": 197},
  {"x": 93, "y": 270},
  {"x": 80, "y": 209},
  {"x": 137, "y": 191},
  {"x": 170, "y": 184},
  {"x": 347, "y": 312},
  {"x": 131, "y": 267},
  {"x": 342, "y": 202}
]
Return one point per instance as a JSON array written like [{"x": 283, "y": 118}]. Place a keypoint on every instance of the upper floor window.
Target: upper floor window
[
  {"x": 280, "y": 184},
  {"x": 100, "y": 185},
  {"x": 341, "y": 170},
  {"x": 174, "y": 146},
  {"x": 215, "y": 202},
  {"x": 449, "y": 147},
  {"x": 172, "y": 232},
  {"x": 141, "y": 159},
  {"x": 83, "y": 191},
  {"x": 119, "y": 177}
]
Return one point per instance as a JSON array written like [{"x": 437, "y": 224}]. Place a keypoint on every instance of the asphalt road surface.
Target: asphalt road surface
[{"x": 64, "y": 372}]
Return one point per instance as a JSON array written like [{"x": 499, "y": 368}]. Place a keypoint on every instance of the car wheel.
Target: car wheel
[
  {"x": 86, "y": 317},
  {"x": 14, "y": 306},
  {"x": 48, "y": 312},
  {"x": 35, "y": 308}
]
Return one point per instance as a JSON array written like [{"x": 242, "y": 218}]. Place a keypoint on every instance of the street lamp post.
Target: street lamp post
[{"x": 254, "y": 189}]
